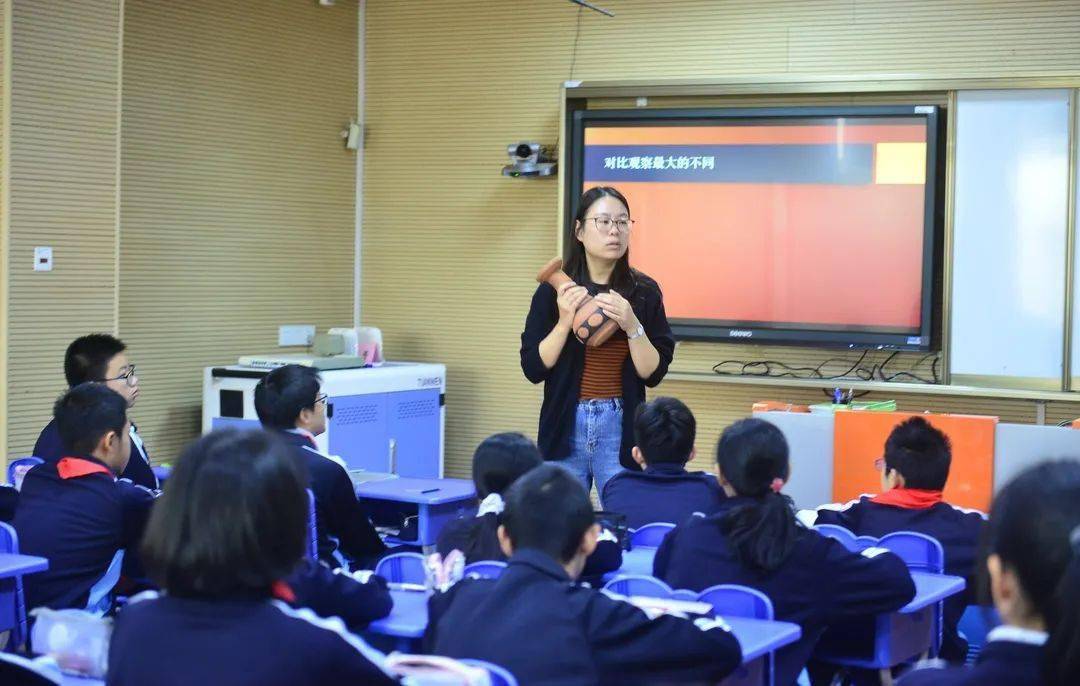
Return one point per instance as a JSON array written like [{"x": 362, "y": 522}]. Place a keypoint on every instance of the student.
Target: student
[
  {"x": 9, "y": 498},
  {"x": 100, "y": 357},
  {"x": 1034, "y": 580},
  {"x": 289, "y": 401},
  {"x": 534, "y": 621},
  {"x": 74, "y": 511},
  {"x": 500, "y": 460},
  {"x": 229, "y": 528},
  {"x": 755, "y": 540},
  {"x": 913, "y": 475},
  {"x": 664, "y": 430}
]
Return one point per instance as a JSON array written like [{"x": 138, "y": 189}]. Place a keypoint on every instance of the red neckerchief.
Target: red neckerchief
[
  {"x": 282, "y": 591},
  {"x": 74, "y": 467},
  {"x": 909, "y": 498}
]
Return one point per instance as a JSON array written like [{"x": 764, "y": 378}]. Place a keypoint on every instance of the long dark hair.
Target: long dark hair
[
  {"x": 623, "y": 278},
  {"x": 752, "y": 455},
  {"x": 232, "y": 519},
  {"x": 1035, "y": 529}
]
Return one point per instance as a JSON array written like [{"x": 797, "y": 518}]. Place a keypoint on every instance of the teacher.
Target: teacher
[{"x": 591, "y": 393}]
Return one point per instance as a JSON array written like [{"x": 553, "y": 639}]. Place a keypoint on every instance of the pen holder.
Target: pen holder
[{"x": 591, "y": 326}]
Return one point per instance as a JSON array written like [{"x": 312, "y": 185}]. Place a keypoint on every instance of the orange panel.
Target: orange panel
[{"x": 859, "y": 439}]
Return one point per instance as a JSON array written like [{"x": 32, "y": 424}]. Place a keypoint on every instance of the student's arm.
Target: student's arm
[
  {"x": 838, "y": 514},
  {"x": 625, "y": 642},
  {"x": 866, "y": 583},
  {"x": 348, "y": 522},
  {"x": 606, "y": 558},
  {"x": 358, "y": 599},
  {"x": 137, "y": 501},
  {"x": 663, "y": 554},
  {"x": 9, "y": 498}
]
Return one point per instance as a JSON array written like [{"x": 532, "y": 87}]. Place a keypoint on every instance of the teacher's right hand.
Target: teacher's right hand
[{"x": 570, "y": 298}]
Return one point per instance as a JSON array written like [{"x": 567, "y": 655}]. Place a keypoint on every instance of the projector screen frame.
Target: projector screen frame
[{"x": 929, "y": 336}]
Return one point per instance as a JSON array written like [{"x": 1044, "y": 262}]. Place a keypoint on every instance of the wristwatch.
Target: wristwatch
[{"x": 636, "y": 334}]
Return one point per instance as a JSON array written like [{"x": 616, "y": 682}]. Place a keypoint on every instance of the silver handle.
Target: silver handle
[{"x": 393, "y": 456}]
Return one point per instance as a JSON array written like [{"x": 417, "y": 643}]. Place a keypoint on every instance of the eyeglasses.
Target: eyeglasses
[
  {"x": 321, "y": 398},
  {"x": 127, "y": 377},
  {"x": 604, "y": 223}
]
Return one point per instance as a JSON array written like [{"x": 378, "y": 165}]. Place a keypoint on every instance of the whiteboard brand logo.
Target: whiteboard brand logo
[
  {"x": 428, "y": 381},
  {"x": 740, "y": 333}
]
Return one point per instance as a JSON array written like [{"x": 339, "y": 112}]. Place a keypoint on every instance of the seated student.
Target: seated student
[
  {"x": 100, "y": 357},
  {"x": 229, "y": 528},
  {"x": 663, "y": 491},
  {"x": 500, "y": 460},
  {"x": 1034, "y": 580},
  {"x": 534, "y": 621},
  {"x": 913, "y": 475},
  {"x": 755, "y": 540},
  {"x": 74, "y": 511},
  {"x": 289, "y": 401}
]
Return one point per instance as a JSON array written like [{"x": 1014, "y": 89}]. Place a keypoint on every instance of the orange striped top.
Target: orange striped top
[{"x": 602, "y": 376}]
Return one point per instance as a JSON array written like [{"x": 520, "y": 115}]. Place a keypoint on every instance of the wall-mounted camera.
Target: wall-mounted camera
[{"x": 529, "y": 160}]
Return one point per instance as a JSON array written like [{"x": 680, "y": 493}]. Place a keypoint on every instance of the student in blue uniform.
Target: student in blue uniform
[
  {"x": 536, "y": 622},
  {"x": 913, "y": 475},
  {"x": 101, "y": 358},
  {"x": 9, "y": 498},
  {"x": 229, "y": 528},
  {"x": 289, "y": 401},
  {"x": 663, "y": 491},
  {"x": 74, "y": 511},
  {"x": 1034, "y": 579},
  {"x": 500, "y": 460},
  {"x": 755, "y": 540}
]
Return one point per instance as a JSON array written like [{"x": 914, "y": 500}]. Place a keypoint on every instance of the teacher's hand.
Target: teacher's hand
[
  {"x": 618, "y": 309},
  {"x": 570, "y": 298}
]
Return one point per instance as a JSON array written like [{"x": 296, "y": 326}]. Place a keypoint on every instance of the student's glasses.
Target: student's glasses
[
  {"x": 127, "y": 377},
  {"x": 321, "y": 398}
]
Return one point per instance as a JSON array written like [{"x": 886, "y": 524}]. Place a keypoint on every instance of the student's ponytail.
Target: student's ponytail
[
  {"x": 753, "y": 459},
  {"x": 1062, "y": 656},
  {"x": 1034, "y": 529}
]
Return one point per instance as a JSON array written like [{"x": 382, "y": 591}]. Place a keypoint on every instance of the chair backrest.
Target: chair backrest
[
  {"x": 485, "y": 569},
  {"x": 18, "y": 468},
  {"x": 920, "y": 552},
  {"x": 12, "y": 600},
  {"x": 500, "y": 676},
  {"x": 650, "y": 535},
  {"x": 402, "y": 568},
  {"x": 313, "y": 531},
  {"x": 845, "y": 537},
  {"x": 638, "y": 584},
  {"x": 100, "y": 601},
  {"x": 738, "y": 601}
]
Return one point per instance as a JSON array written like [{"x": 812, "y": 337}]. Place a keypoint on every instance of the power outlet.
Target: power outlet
[
  {"x": 295, "y": 334},
  {"x": 43, "y": 261}
]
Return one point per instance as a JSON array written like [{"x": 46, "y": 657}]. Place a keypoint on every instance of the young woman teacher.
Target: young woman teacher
[{"x": 591, "y": 393}]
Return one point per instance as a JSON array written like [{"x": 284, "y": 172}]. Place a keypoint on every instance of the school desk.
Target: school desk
[
  {"x": 892, "y": 638},
  {"x": 758, "y": 637},
  {"x": 636, "y": 561},
  {"x": 12, "y": 564},
  {"x": 434, "y": 502}
]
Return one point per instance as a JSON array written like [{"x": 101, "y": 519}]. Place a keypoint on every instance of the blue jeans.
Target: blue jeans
[{"x": 594, "y": 448}]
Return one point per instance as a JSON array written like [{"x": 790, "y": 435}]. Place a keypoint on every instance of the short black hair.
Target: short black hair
[
  {"x": 232, "y": 519},
  {"x": 664, "y": 430},
  {"x": 920, "y": 453},
  {"x": 284, "y": 392},
  {"x": 87, "y": 358},
  {"x": 548, "y": 509},
  {"x": 86, "y": 413},
  {"x": 500, "y": 459}
]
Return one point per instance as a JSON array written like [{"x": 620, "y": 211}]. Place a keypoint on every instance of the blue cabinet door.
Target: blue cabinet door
[
  {"x": 358, "y": 431},
  {"x": 413, "y": 419}
]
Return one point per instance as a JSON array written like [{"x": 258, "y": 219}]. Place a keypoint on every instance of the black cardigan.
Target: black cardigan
[{"x": 563, "y": 381}]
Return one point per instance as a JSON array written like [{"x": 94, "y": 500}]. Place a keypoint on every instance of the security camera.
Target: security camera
[{"x": 528, "y": 160}]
